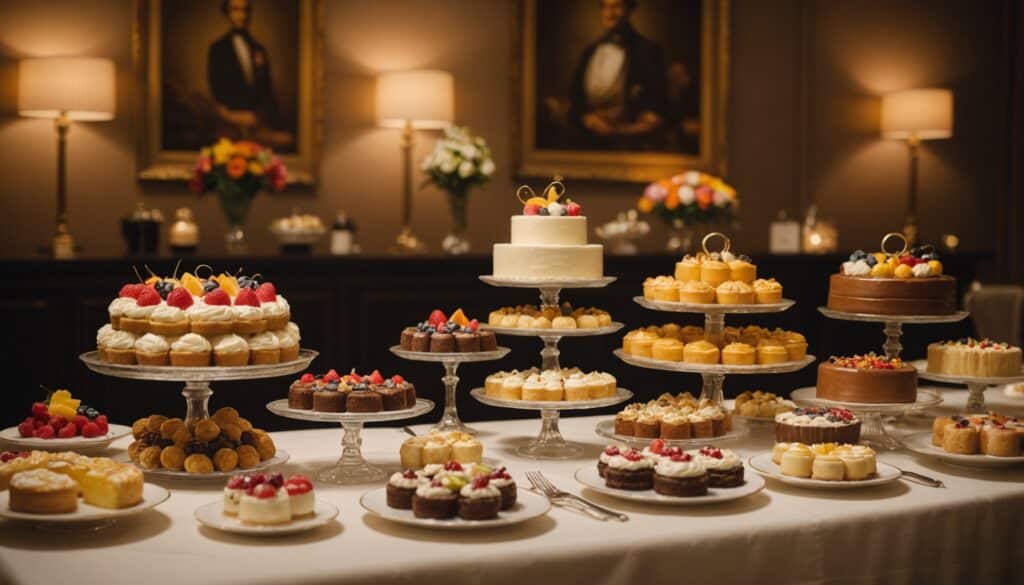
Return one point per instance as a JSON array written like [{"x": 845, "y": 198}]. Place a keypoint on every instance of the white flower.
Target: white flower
[
  {"x": 686, "y": 195},
  {"x": 487, "y": 167},
  {"x": 427, "y": 163},
  {"x": 720, "y": 199},
  {"x": 448, "y": 165},
  {"x": 692, "y": 178},
  {"x": 466, "y": 169},
  {"x": 469, "y": 151}
]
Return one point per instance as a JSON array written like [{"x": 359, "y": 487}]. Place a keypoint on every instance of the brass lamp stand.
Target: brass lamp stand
[
  {"x": 910, "y": 223},
  {"x": 63, "y": 242},
  {"x": 407, "y": 242}
]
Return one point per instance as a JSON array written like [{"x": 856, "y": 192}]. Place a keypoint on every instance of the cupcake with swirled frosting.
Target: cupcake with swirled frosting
[
  {"x": 681, "y": 475},
  {"x": 230, "y": 350},
  {"x": 152, "y": 350},
  {"x": 264, "y": 348},
  {"x": 191, "y": 350}
]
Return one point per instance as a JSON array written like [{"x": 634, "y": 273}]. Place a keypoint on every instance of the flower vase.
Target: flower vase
[
  {"x": 680, "y": 237},
  {"x": 235, "y": 202},
  {"x": 456, "y": 243}
]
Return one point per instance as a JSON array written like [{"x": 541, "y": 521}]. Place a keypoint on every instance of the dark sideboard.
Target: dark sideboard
[{"x": 351, "y": 310}]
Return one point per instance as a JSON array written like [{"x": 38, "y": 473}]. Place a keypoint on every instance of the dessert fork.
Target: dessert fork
[{"x": 552, "y": 492}]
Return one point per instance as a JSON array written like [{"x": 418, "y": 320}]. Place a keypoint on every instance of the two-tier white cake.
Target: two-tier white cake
[{"x": 549, "y": 247}]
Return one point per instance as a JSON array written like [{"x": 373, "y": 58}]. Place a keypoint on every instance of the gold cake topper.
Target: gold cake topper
[
  {"x": 726, "y": 242},
  {"x": 553, "y": 192},
  {"x": 893, "y": 235}
]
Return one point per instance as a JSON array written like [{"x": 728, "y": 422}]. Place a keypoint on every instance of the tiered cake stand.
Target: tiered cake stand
[
  {"x": 351, "y": 468},
  {"x": 450, "y": 420},
  {"x": 550, "y": 444},
  {"x": 976, "y": 385}
]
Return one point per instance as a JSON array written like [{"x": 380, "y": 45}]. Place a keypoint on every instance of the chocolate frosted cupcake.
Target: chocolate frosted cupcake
[
  {"x": 501, "y": 479},
  {"x": 410, "y": 393},
  {"x": 629, "y": 470},
  {"x": 407, "y": 336},
  {"x": 300, "y": 393},
  {"x": 488, "y": 342},
  {"x": 401, "y": 488},
  {"x": 725, "y": 468},
  {"x": 420, "y": 341},
  {"x": 479, "y": 500},
  {"x": 606, "y": 456},
  {"x": 681, "y": 475},
  {"x": 362, "y": 399},
  {"x": 438, "y": 499},
  {"x": 442, "y": 343},
  {"x": 466, "y": 342}
]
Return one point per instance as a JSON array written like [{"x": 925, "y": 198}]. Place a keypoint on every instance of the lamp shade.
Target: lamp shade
[
  {"x": 425, "y": 98},
  {"x": 81, "y": 87},
  {"x": 922, "y": 113}
]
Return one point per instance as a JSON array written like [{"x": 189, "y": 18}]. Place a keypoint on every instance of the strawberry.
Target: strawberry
[
  {"x": 355, "y": 377},
  {"x": 101, "y": 421},
  {"x": 79, "y": 421},
  {"x": 264, "y": 491},
  {"x": 91, "y": 430},
  {"x": 657, "y": 446},
  {"x": 441, "y": 327},
  {"x": 247, "y": 297},
  {"x": 217, "y": 297},
  {"x": 531, "y": 209},
  {"x": 480, "y": 482},
  {"x": 148, "y": 297},
  {"x": 180, "y": 297},
  {"x": 45, "y": 432},
  {"x": 298, "y": 484},
  {"x": 376, "y": 378},
  {"x": 266, "y": 292},
  {"x": 27, "y": 429},
  {"x": 39, "y": 410},
  {"x": 67, "y": 431},
  {"x": 473, "y": 325},
  {"x": 573, "y": 209},
  {"x": 437, "y": 317},
  {"x": 131, "y": 290},
  {"x": 397, "y": 379},
  {"x": 307, "y": 378},
  {"x": 331, "y": 376},
  {"x": 611, "y": 450}
]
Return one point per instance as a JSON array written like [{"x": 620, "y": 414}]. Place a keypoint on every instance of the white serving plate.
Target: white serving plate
[
  {"x": 11, "y": 436},
  {"x": 589, "y": 477},
  {"x": 213, "y": 516},
  {"x": 280, "y": 457},
  {"x": 528, "y": 506},
  {"x": 152, "y": 495},
  {"x": 764, "y": 465},
  {"x": 922, "y": 443}
]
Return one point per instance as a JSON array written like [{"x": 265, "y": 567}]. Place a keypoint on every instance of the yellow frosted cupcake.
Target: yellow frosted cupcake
[
  {"x": 742, "y": 271},
  {"x": 734, "y": 292},
  {"x": 696, "y": 291},
  {"x": 796, "y": 345},
  {"x": 771, "y": 354},
  {"x": 650, "y": 285},
  {"x": 738, "y": 354},
  {"x": 641, "y": 344},
  {"x": 667, "y": 349},
  {"x": 671, "y": 330},
  {"x": 714, "y": 272},
  {"x": 767, "y": 291},
  {"x": 700, "y": 352},
  {"x": 691, "y": 333},
  {"x": 666, "y": 289},
  {"x": 688, "y": 269}
]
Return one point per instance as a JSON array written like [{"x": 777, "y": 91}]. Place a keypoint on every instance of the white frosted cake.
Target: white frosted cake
[{"x": 549, "y": 244}]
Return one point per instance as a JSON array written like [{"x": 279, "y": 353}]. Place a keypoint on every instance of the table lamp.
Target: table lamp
[
  {"x": 915, "y": 115},
  {"x": 413, "y": 100},
  {"x": 65, "y": 89}
]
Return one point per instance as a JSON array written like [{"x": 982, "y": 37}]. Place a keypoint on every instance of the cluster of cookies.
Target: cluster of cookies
[
  {"x": 761, "y": 404},
  {"x": 224, "y": 442},
  {"x": 744, "y": 347},
  {"x": 986, "y": 434},
  {"x": 825, "y": 461},
  {"x": 673, "y": 417},
  {"x": 563, "y": 317},
  {"x": 550, "y": 385},
  {"x": 422, "y": 450}
]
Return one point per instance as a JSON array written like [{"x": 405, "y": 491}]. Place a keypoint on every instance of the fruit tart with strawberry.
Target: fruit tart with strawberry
[{"x": 443, "y": 334}]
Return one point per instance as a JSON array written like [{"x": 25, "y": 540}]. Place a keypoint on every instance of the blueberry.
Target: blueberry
[
  {"x": 82, "y": 408},
  {"x": 210, "y": 285},
  {"x": 248, "y": 438},
  {"x": 915, "y": 251},
  {"x": 92, "y": 413},
  {"x": 544, "y": 211},
  {"x": 871, "y": 260}
]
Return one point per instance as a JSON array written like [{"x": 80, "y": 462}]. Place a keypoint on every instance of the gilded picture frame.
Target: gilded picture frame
[
  {"x": 157, "y": 160},
  {"x": 611, "y": 163}
]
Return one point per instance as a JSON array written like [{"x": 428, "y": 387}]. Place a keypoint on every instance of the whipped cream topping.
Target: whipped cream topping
[
  {"x": 669, "y": 468},
  {"x": 292, "y": 328},
  {"x": 118, "y": 306},
  {"x": 247, "y": 313},
  {"x": 858, "y": 268},
  {"x": 283, "y": 303},
  {"x": 135, "y": 311},
  {"x": 229, "y": 343},
  {"x": 152, "y": 343},
  {"x": 265, "y": 340},
  {"x": 285, "y": 338},
  {"x": 103, "y": 333},
  {"x": 426, "y": 490},
  {"x": 500, "y": 482},
  {"x": 120, "y": 340},
  {"x": 922, "y": 270},
  {"x": 167, "y": 314},
  {"x": 399, "y": 480},
  {"x": 430, "y": 470},
  {"x": 272, "y": 309},
  {"x": 471, "y": 493},
  {"x": 191, "y": 342},
  {"x": 728, "y": 461},
  {"x": 41, "y": 480},
  {"x": 203, "y": 312},
  {"x": 620, "y": 462}
]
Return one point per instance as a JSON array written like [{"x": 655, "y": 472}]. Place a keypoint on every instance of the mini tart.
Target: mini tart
[
  {"x": 742, "y": 271},
  {"x": 688, "y": 269},
  {"x": 700, "y": 352},
  {"x": 767, "y": 292},
  {"x": 696, "y": 291},
  {"x": 772, "y": 354},
  {"x": 714, "y": 272},
  {"x": 734, "y": 292},
  {"x": 738, "y": 354},
  {"x": 41, "y": 491},
  {"x": 667, "y": 349},
  {"x": 642, "y": 344},
  {"x": 666, "y": 290}
]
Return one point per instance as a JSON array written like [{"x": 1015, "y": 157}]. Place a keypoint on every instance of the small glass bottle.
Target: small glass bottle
[{"x": 343, "y": 235}]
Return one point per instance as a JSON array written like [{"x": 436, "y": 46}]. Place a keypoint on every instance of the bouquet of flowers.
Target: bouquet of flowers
[
  {"x": 690, "y": 198},
  {"x": 237, "y": 171},
  {"x": 458, "y": 162}
]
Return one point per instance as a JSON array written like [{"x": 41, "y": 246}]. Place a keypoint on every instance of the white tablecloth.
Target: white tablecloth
[{"x": 971, "y": 531}]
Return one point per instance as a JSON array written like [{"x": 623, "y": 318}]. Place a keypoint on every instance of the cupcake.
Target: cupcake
[
  {"x": 738, "y": 354},
  {"x": 118, "y": 306},
  {"x": 479, "y": 500},
  {"x": 674, "y": 426},
  {"x": 501, "y": 479},
  {"x": 533, "y": 388},
  {"x": 230, "y": 350},
  {"x": 734, "y": 292},
  {"x": 120, "y": 347},
  {"x": 714, "y": 272},
  {"x": 401, "y": 488},
  {"x": 688, "y": 269},
  {"x": 742, "y": 270},
  {"x": 680, "y": 475},
  {"x": 136, "y": 317},
  {"x": 641, "y": 345},
  {"x": 606, "y": 456},
  {"x": 300, "y": 393},
  {"x": 438, "y": 498},
  {"x": 102, "y": 334},
  {"x": 625, "y": 423},
  {"x": 696, "y": 291},
  {"x": 725, "y": 468},
  {"x": 771, "y": 354},
  {"x": 827, "y": 467},
  {"x": 667, "y": 349},
  {"x": 247, "y": 314},
  {"x": 629, "y": 470},
  {"x": 170, "y": 318},
  {"x": 577, "y": 387},
  {"x": 275, "y": 313},
  {"x": 191, "y": 350},
  {"x": 700, "y": 352},
  {"x": 264, "y": 348},
  {"x": 796, "y": 346},
  {"x": 152, "y": 350},
  {"x": 289, "y": 344},
  {"x": 212, "y": 315},
  {"x": 649, "y": 285},
  {"x": 767, "y": 291},
  {"x": 666, "y": 289},
  {"x": 512, "y": 387}
]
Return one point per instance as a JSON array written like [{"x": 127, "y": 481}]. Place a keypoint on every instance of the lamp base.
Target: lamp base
[{"x": 408, "y": 243}]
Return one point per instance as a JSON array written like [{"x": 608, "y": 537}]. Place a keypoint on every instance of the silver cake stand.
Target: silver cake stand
[
  {"x": 713, "y": 375},
  {"x": 976, "y": 385},
  {"x": 872, "y": 431},
  {"x": 351, "y": 468},
  {"x": 893, "y": 324},
  {"x": 450, "y": 420},
  {"x": 550, "y": 444},
  {"x": 197, "y": 389}
]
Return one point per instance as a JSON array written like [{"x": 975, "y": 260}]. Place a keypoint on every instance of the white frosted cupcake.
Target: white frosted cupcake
[
  {"x": 117, "y": 308},
  {"x": 577, "y": 387},
  {"x": 191, "y": 350},
  {"x": 168, "y": 320},
  {"x": 210, "y": 319},
  {"x": 136, "y": 317},
  {"x": 101, "y": 338},
  {"x": 152, "y": 350},
  {"x": 289, "y": 345},
  {"x": 230, "y": 350},
  {"x": 264, "y": 348},
  {"x": 275, "y": 314},
  {"x": 119, "y": 347}
]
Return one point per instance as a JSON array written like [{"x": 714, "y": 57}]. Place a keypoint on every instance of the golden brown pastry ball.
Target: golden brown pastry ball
[
  {"x": 198, "y": 463},
  {"x": 139, "y": 427},
  {"x": 248, "y": 456},
  {"x": 225, "y": 415},
  {"x": 149, "y": 458},
  {"x": 154, "y": 421},
  {"x": 225, "y": 459},
  {"x": 232, "y": 431},
  {"x": 171, "y": 426},
  {"x": 182, "y": 437},
  {"x": 133, "y": 451},
  {"x": 244, "y": 424},
  {"x": 265, "y": 447},
  {"x": 172, "y": 458},
  {"x": 206, "y": 430}
]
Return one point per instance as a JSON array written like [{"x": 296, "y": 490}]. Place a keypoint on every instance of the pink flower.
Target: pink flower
[
  {"x": 204, "y": 164},
  {"x": 656, "y": 192},
  {"x": 277, "y": 174}
]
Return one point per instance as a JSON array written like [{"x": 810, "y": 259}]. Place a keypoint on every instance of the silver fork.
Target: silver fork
[
  {"x": 552, "y": 492},
  {"x": 920, "y": 478},
  {"x": 568, "y": 504}
]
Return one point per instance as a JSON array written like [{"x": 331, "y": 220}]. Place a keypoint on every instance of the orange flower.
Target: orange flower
[
  {"x": 645, "y": 205},
  {"x": 672, "y": 201},
  {"x": 236, "y": 167}
]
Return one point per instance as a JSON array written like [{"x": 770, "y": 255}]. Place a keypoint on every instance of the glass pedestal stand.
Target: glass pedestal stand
[
  {"x": 976, "y": 385},
  {"x": 872, "y": 428},
  {"x": 550, "y": 444},
  {"x": 450, "y": 420},
  {"x": 893, "y": 324},
  {"x": 351, "y": 468},
  {"x": 713, "y": 376}
]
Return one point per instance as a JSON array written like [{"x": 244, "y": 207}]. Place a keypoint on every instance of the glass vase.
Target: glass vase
[
  {"x": 456, "y": 242},
  {"x": 680, "y": 237},
  {"x": 235, "y": 202}
]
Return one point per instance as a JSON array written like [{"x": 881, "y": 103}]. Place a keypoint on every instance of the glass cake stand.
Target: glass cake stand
[
  {"x": 197, "y": 389},
  {"x": 550, "y": 444},
  {"x": 872, "y": 430},
  {"x": 893, "y": 324},
  {"x": 450, "y": 419},
  {"x": 976, "y": 385},
  {"x": 351, "y": 468},
  {"x": 714, "y": 331}
]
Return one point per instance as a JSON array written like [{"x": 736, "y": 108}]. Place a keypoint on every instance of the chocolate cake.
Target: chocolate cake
[
  {"x": 466, "y": 342},
  {"x": 800, "y": 426},
  {"x": 684, "y": 487},
  {"x": 329, "y": 401},
  {"x": 362, "y": 399},
  {"x": 434, "y": 501},
  {"x": 392, "y": 397},
  {"x": 892, "y": 296},
  {"x": 867, "y": 379},
  {"x": 300, "y": 396}
]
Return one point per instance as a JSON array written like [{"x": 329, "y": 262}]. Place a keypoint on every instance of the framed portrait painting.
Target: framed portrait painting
[
  {"x": 626, "y": 90},
  {"x": 241, "y": 69}
]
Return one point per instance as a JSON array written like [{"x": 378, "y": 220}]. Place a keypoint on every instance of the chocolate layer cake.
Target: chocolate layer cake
[
  {"x": 867, "y": 385},
  {"x": 392, "y": 397},
  {"x": 629, "y": 479},
  {"x": 479, "y": 508},
  {"x": 438, "y": 507},
  {"x": 892, "y": 296}
]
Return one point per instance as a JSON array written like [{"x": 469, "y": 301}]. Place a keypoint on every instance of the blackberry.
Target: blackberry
[
  {"x": 194, "y": 447},
  {"x": 248, "y": 438}
]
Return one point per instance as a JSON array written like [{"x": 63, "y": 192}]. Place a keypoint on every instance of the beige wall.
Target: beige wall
[{"x": 801, "y": 120}]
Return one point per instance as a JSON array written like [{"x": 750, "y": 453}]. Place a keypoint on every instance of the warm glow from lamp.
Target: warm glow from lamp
[
  {"x": 425, "y": 98},
  {"x": 922, "y": 113},
  {"x": 83, "y": 88}
]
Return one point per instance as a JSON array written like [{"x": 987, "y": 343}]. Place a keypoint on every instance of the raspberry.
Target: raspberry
[
  {"x": 91, "y": 430},
  {"x": 573, "y": 209},
  {"x": 217, "y": 297},
  {"x": 453, "y": 466},
  {"x": 266, "y": 292},
  {"x": 247, "y": 297},
  {"x": 531, "y": 210},
  {"x": 45, "y": 432},
  {"x": 437, "y": 317},
  {"x": 180, "y": 297},
  {"x": 39, "y": 410},
  {"x": 376, "y": 378},
  {"x": 80, "y": 421},
  {"x": 307, "y": 378},
  {"x": 57, "y": 422},
  {"x": 101, "y": 422},
  {"x": 331, "y": 376},
  {"x": 67, "y": 431},
  {"x": 473, "y": 325},
  {"x": 27, "y": 429},
  {"x": 237, "y": 482},
  {"x": 131, "y": 290},
  {"x": 611, "y": 450},
  {"x": 480, "y": 482},
  {"x": 397, "y": 379},
  {"x": 298, "y": 486},
  {"x": 148, "y": 297},
  {"x": 657, "y": 446},
  {"x": 39, "y": 422}
]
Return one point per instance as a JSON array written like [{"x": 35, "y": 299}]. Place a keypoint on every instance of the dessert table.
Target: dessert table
[{"x": 970, "y": 531}]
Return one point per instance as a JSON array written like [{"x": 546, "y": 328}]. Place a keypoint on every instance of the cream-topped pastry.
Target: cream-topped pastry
[
  {"x": 117, "y": 308},
  {"x": 680, "y": 467},
  {"x": 152, "y": 350},
  {"x": 264, "y": 348},
  {"x": 119, "y": 347},
  {"x": 102, "y": 334},
  {"x": 265, "y": 504},
  {"x": 211, "y": 319},
  {"x": 230, "y": 350},
  {"x": 300, "y": 495},
  {"x": 191, "y": 349},
  {"x": 797, "y": 461}
]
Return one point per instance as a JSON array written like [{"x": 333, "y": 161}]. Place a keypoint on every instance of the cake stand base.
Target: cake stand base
[
  {"x": 550, "y": 444},
  {"x": 976, "y": 398},
  {"x": 874, "y": 435},
  {"x": 450, "y": 420},
  {"x": 351, "y": 467}
]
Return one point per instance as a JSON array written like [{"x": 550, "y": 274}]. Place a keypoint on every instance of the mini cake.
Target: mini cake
[
  {"x": 667, "y": 349},
  {"x": 742, "y": 270},
  {"x": 289, "y": 342},
  {"x": 825, "y": 461},
  {"x": 212, "y": 315},
  {"x": 989, "y": 434},
  {"x": 136, "y": 316},
  {"x": 761, "y": 404},
  {"x": 300, "y": 495},
  {"x": 438, "y": 498},
  {"x": 441, "y": 334},
  {"x": 768, "y": 353},
  {"x": 700, "y": 352},
  {"x": 817, "y": 425},
  {"x": 688, "y": 269},
  {"x": 714, "y": 272},
  {"x": 266, "y": 503},
  {"x": 401, "y": 488},
  {"x": 479, "y": 500},
  {"x": 724, "y": 467},
  {"x": 680, "y": 475},
  {"x": 438, "y": 448},
  {"x": 908, "y": 283},
  {"x": 233, "y": 492},
  {"x": 665, "y": 288},
  {"x": 867, "y": 379},
  {"x": 264, "y": 348},
  {"x": 797, "y": 461},
  {"x": 230, "y": 350},
  {"x": 974, "y": 358},
  {"x": 362, "y": 399},
  {"x": 170, "y": 318},
  {"x": 41, "y": 491},
  {"x": 501, "y": 479},
  {"x": 328, "y": 400},
  {"x": 119, "y": 347},
  {"x": 248, "y": 315},
  {"x": 190, "y": 350},
  {"x": 827, "y": 467},
  {"x": 795, "y": 344},
  {"x": 152, "y": 350},
  {"x": 125, "y": 298},
  {"x": 738, "y": 354},
  {"x": 629, "y": 470},
  {"x": 669, "y": 417},
  {"x": 734, "y": 292},
  {"x": 276, "y": 310},
  {"x": 767, "y": 292},
  {"x": 696, "y": 291}
]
